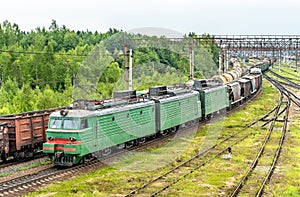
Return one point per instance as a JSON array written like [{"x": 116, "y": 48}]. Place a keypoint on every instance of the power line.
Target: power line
[
  {"x": 41, "y": 53},
  {"x": 52, "y": 53}
]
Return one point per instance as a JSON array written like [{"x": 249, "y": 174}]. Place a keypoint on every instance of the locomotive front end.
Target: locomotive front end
[{"x": 64, "y": 144}]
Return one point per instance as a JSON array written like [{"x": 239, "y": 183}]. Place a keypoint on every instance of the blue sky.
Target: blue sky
[{"x": 268, "y": 17}]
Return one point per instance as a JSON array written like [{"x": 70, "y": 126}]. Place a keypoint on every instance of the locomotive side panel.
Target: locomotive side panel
[
  {"x": 177, "y": 110},
  {"x": 190, "y": 108},
  {"x": 169, "y": 114},
  {"x": 214, "y": 99},
  {"x": 119, "y": 127}
]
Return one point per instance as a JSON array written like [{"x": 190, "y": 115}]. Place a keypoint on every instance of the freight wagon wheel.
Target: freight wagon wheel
[
  {"x": 19, "y": 156},
  {"x": 3, "y": 157}
]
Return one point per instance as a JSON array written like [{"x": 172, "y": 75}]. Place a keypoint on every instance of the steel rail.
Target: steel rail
[{"x": 283, "y": 92}]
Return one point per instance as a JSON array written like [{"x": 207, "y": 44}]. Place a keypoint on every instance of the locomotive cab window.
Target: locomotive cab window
[
  {"x": 55, "y": 123},
  {"x": 58, "y": 123},
  {"x": 70, "y": 124},
  {"x": 83, "y": 124}
]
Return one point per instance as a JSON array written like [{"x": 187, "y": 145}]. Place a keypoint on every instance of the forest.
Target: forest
[{"x": 50, "y": 67}]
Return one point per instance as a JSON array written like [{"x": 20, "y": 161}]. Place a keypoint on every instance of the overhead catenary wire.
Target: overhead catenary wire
[{"x": 47, "y": 53}]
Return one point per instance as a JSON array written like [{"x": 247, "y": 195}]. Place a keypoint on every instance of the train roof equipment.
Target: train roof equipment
[{"x": 255, "y": 71}]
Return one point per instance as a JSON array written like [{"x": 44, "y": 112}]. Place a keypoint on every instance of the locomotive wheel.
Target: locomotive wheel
[
  {"x": 130, "y": 144},
  {"x": 173, "y": 129},
  {"x": 142, "y": 140},
  {"x": 164, "y": 133},
  {"x": 106, "y": 151},
  {"x": 195, "y": 121},
  {"x": 82, "y": 160}
]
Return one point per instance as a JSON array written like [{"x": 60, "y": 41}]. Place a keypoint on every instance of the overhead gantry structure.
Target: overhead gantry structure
[
  {"x": 277, "y": 46},
  {"x": 274, "y": 45}
]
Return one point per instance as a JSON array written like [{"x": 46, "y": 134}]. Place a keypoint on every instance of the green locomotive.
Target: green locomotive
[{"x": 93, "y": 128}]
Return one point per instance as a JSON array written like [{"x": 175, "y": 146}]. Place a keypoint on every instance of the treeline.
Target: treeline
[
  {"x": 49, "y": 67},
  {"x": 43, "y": 56}
]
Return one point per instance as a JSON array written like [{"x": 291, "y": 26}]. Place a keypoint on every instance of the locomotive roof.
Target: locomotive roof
[
  {"x": 125, "y": 107},
  {"x": 81, "y": 113},
  {"x": 187, "y": 95},
  {"x": 212, "y": 89},
  {"x": 74, "y": 113}
]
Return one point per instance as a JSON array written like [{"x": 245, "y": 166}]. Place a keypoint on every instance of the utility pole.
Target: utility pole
[
  {"x": 279, "y": 59},
  {"x": 296, "y": 62},
  {"x": 126, "y": 74},
  {"x": 226, "y": 60},
  {"x": 191, "y": 60},
  {"x": 130, "y": 69},
  {"x": 220, "y": 61}
]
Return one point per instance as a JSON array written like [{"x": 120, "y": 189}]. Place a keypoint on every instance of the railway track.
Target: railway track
[
  {"x": 13, "y": 164},
  {"x": 167, "y": 179},
  {"x": 288, "y": 81},
  {"x": 28, "y": 183},
  {"x": 294, "y": 76},
  {"x": 24, "y": 184},
  {"x": 164, "y": 181},
  {"x": 262, "y": 168}
]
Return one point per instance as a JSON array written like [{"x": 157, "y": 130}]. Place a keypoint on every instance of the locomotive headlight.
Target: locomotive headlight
[
  {"x": 72, "y": 139},
  {"x": 50, "y": 138}
]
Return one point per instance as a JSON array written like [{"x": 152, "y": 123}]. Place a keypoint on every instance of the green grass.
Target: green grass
[
  {"x": 34, "y": 165},
  {"x": 22, "y": 168},
  {"x": 217, "y": 178},
  {"x": 4, "y": 174},
  {"x": 286, "y": 180}
]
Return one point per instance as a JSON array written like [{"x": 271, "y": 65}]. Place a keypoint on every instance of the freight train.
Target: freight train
[
  {"x": 120, "y": 122},
  {"x": 91, "y": 129}
]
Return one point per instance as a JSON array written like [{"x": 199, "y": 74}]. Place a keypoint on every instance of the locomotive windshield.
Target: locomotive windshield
[
  {"x": 55, "y": 124},
  {"x": 58, "y": 123},
  {"x": 70, "y": 124}
]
